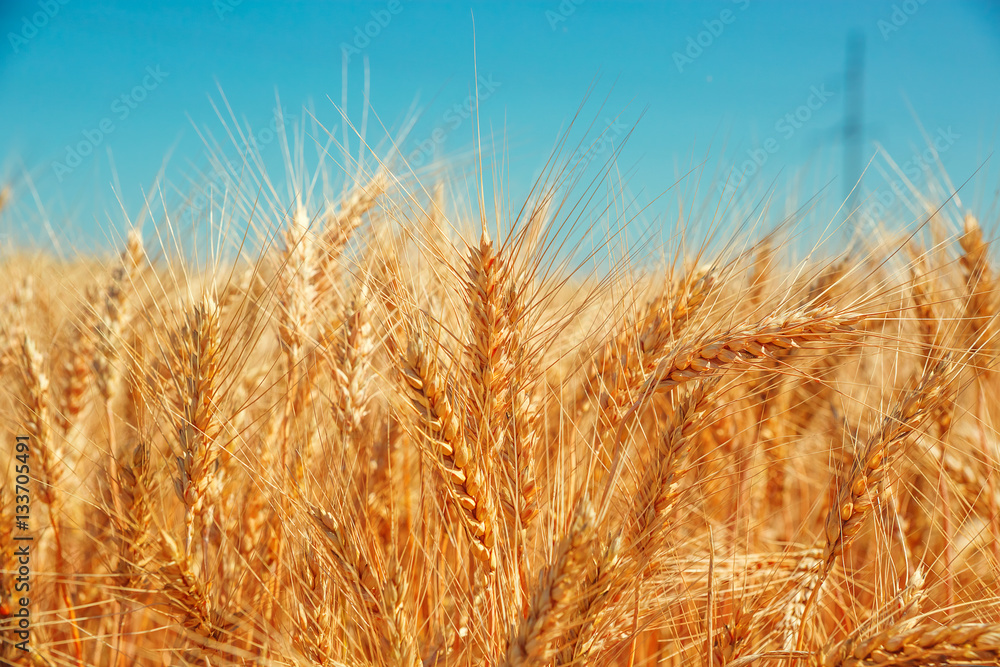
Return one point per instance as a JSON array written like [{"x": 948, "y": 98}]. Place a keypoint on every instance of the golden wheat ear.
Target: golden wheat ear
[
  {"x": 980, "y": 308},
  {"x": 444, "y": 443},
  {"x": 924, "y": 644},
  {"x": 194, "y": 368},
  {"x": 556, "y": 596},
  {"x": 137, "y": 490},
  {"x": 866, "y": 478},
  {"x": 740, "y": 349},
  {"x": 863, "y": 484}
]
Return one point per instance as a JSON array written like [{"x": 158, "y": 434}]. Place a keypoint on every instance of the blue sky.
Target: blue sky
[{"x": 710, "y": 83}]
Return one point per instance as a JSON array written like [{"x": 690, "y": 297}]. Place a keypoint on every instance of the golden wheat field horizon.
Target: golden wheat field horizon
[{"x": 381, "y": 426}]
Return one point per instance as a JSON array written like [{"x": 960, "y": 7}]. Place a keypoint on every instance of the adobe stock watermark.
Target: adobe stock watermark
[
  {"x": 121, "y": 108},
  {"x": 451, "y": 119},
  {"x": 584, "y": 155},
  {"x": 784, "y": 129},
  {"x": 364, "y": 34},
  {"x": 31, "y": 25},
  {"x": 915, "y": 170},
  {"x": 223, "y": 7},
  {"x": 218, "y": 178},
  {"x": 565, "y": 9},
  {"x": 698, "y": 44},
  {"x": 900, "y": 16}
]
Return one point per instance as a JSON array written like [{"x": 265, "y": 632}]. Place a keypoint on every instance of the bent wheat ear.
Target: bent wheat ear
[
  {"x": 866, "y": 477},
  {"x": 743, "y": 347},
  {"x": 463, "y": 480},
  {"x": 864, "y": 482},
  {"x": 923, "y": 645},
  {"x": 708, "y": 356},
  {"x": 340, "y": 224},
  {"x": 185, "y": 592},
  {"x": 658, "y": 488},
  {"x": 665, "y": 316},
  {"x": 628, "y": 358}
]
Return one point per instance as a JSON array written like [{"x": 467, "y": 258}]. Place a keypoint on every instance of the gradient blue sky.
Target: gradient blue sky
[{"x": 65, "y": 65}]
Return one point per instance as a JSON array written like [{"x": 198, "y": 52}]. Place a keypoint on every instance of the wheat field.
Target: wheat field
[{"x": 388, "y": 427}]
